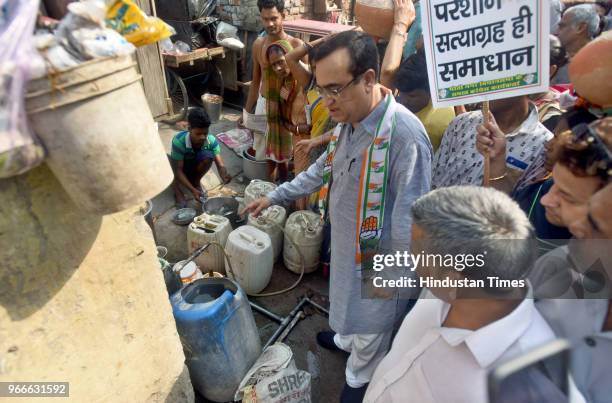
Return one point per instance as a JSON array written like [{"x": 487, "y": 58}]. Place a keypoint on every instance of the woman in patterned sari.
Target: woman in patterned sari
[{"x": 285, "y": 109}]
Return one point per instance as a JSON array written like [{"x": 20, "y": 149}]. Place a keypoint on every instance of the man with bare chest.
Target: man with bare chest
[{"x": 272, "y": 17}]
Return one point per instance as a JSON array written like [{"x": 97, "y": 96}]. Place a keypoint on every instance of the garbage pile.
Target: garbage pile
[
  {"x": 91, "y": 30},
  {"x": 59, "y": 78}
]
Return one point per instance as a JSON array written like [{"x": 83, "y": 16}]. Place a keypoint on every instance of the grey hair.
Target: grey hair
[
  {"x": 471, "y": 220},
  {"x": 587, "y": 14}
]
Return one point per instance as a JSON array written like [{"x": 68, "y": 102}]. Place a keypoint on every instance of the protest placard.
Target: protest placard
[{"x": 481, "y": 50}]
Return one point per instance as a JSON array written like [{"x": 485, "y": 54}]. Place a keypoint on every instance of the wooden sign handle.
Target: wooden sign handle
[{"x": 487, "y": 160}]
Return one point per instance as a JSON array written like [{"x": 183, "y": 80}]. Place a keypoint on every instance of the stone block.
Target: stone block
[{"x": 83, "y": 299}]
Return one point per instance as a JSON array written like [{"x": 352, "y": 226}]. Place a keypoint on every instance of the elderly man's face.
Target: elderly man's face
[
  {"x": 567, "y": 31},
  {"x": 420, "y": 245}
]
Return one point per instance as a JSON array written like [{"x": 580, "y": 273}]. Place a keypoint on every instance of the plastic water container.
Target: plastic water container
[
  {"x": 256, "y": 189},
  {"x": 188, "y": 272},
  {"x": 250, "y": 253},
  {"x": 271, "y": 221},
  {"x": 219, "y": 335},
  {"x": 207, "y": 228},
  {"x": 306, "y": 230}
]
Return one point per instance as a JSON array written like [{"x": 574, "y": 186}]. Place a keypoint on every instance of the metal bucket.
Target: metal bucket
[
  {"x": 212, "y": 105},
  {"x": 254, "y": 169}
]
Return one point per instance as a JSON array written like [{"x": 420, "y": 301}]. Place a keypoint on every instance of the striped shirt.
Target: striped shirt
[{"x": 182, "y": 149}]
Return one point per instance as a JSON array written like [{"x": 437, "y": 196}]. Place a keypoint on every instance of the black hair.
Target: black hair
[
  {"x": 198, "y": 119},
  {"x": 575, "y": 116},
  {"x": 605, "y": 4},
  {"x": 412, "y": 74},
  {"x": 275, "y": 48},
  {"x": 558, "y": 57},
  {"x": 361, "y": 49},
  {"x": 279, "y": 4}
]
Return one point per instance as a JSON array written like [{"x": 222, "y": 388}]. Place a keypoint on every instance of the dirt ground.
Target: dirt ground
[{"x": 326, "y": 367}]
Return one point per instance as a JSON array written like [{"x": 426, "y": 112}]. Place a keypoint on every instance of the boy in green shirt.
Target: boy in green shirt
[{"x": 192, "y": 155}]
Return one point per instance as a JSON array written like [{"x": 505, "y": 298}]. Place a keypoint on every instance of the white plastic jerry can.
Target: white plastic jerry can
[
  {"x": 271, "y": 221},
  {"x": 204, "y": 229},
  {"x": 250, "y": 252},
  {"x": 306, "y": 230},
  {"x": 256, "y": 189}
]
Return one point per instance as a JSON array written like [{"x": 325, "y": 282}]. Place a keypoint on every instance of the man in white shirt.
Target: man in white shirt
[
  {"x": 447, "y": 343},
  {"x": 457, "y": 161}
]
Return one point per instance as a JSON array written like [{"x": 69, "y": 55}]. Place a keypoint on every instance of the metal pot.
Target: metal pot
[
  {"x": 226, "y": 207},
  {"x": 254, "y": 169}
]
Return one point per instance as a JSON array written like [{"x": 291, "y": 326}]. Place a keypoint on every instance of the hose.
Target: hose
[{"x": 267, "y": 294}]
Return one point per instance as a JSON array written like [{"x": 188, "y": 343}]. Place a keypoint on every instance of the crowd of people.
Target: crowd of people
[{"x": 390, "y": 173}]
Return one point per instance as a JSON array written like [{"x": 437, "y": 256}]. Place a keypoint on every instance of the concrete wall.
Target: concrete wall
[
  {"x": 82, "y": 299},
  {"x": 244, "y": 14}
]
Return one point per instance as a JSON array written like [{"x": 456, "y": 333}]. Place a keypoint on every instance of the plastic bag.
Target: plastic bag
[
  {"x": 125, "y": 17},
  {"x": 81, "y": 35},
  {"x": 101, "y": 42},
  {"x": 176, "y": 48},
  {"x": 274, "y": 378},
  {"x": 20, "y": 149},
  {"x": 227, "y": 35}
]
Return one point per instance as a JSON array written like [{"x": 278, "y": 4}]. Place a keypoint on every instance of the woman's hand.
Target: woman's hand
[
  {"x": 304, "y": 147},
  {"x": 404, "y": 13}
]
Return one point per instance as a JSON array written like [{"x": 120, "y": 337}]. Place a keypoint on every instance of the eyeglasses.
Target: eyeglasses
[{"x": 336, "y": 92}]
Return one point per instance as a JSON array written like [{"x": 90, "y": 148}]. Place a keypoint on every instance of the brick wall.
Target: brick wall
[{"x": 245, "y": 14}]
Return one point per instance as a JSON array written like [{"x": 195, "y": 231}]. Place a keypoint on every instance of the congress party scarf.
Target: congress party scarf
[{"x": 372, "y": 185}]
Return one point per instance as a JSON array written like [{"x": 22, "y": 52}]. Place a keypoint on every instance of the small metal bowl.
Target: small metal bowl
[
  {"x": 184, "y": 216},
  {"x": 224, "y": 206}
]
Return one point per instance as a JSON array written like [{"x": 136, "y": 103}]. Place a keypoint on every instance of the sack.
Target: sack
[
  {"x": 289, "y": 385},
  {"x": 274, "y": 378},
  {"x": 20, "y": 149},
  {"x": 227, "y": 35}
]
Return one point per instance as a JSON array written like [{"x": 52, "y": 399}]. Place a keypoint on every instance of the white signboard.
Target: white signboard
[{"x": 485, "y": 49}]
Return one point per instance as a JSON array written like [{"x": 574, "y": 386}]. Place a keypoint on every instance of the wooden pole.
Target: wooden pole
[{"x": 487, "y": 160}]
